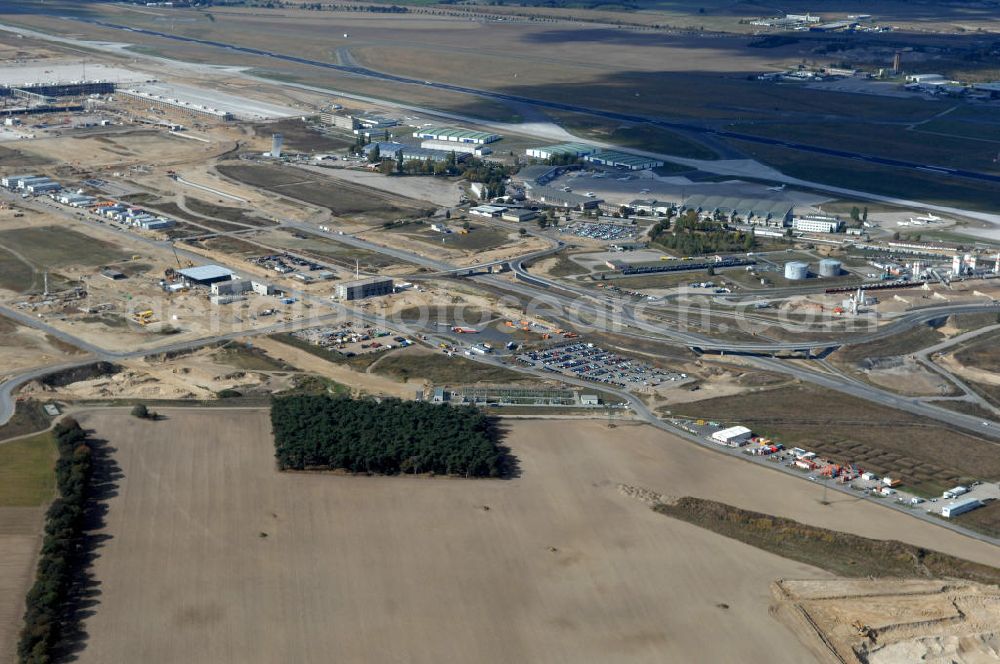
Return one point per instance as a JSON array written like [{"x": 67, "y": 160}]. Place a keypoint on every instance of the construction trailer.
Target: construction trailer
[{"x": 960, "y": 507}]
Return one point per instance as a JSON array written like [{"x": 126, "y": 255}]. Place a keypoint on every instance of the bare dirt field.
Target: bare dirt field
[
  {"x": 216, "y": 557},
  {"x": 23, "y": 347},
  {"x": 343, "y": 198},
  {"x": 19, "y": 541}
]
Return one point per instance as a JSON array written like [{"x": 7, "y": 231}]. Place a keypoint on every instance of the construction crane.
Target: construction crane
[{"x": 176, "y": 258}]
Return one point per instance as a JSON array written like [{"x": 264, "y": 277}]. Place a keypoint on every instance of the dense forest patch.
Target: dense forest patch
[{"x": 319, "y": 432}]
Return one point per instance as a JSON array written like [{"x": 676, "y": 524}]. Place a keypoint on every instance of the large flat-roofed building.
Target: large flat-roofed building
[
  {"x": 149, "y": 100},
  {"x": 626, "y": 160},
  {"x": 40, "y": 186},
  {"x": 14, "y": 181},
  {"x": 764, "y": 211},
  {"x": 538, "y": 174},
  {"x": 733, "y": 436},
  {"x": 459, "y": 148},
  {"x": 518, "y": 214},
  {"x": 206, "y": 275},
  {"x": 563, "y": 199},
  {"x": 491, "y": 211},
  {"x": 561, "y": 150},
  {"x": 232, "y": 287},
  {"x": 456, "y": 135},
  {"x": 340, "y": 120},
  {"x": 816, "y": 224},
  {"x": 362, "y": 288},
  {"x": 393, "y": 150}
]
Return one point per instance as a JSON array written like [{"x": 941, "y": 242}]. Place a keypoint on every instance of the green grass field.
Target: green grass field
[
  {"x": 853, "y": 174},
  {"x": 249, "y": 359},
  {"x": 888, "y": 141},
  {"x": 15, "y": 274},
  {"x": 56, "y": 246},
  {"x": 643, "y": 137},
  {"x": 27, "y": 471},
  {"x": 443, "y": 370}
]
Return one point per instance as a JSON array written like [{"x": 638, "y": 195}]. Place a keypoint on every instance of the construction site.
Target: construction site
[{"x": 889, "y": 621}]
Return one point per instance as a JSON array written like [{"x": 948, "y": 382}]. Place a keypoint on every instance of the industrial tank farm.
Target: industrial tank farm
[{"x": 796, "y": 270}]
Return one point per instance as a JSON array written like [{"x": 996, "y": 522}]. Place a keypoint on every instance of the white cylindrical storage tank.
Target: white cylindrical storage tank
[
  {"x": 829, "y": 267},
  {"x": 795, "y": 270}
]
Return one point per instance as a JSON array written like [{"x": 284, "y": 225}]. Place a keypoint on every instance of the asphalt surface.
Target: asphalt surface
[{"x": 558, "y": 106}]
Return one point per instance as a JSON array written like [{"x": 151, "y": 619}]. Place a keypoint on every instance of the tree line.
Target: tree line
[
  {"x": 64, "y": 521},
  {"x": 390, "y": 437}
]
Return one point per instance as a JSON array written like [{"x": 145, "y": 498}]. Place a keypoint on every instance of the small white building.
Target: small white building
[
  {"x": 733, "y": 436},
  {"x": 589, "y": 400}
]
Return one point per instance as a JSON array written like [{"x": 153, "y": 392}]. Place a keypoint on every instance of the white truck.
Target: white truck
[{"x": 955, "y": 493}]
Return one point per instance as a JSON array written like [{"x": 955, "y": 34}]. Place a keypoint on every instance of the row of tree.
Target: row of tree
[
  {"x": 386, "y": 437},
  {"x": 64, "y": 523}
]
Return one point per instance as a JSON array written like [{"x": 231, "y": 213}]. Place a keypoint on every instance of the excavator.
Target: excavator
[{"x": 864, "y": 630}]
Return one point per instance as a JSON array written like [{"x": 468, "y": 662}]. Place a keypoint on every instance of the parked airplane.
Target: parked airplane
[{"x": 779, "y": 187}]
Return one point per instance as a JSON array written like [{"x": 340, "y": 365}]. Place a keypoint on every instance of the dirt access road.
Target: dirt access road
[{"x": 562, "y": 567}]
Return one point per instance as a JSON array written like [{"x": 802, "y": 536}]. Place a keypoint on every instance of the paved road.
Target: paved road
[
  {"x": 914, "y": 405},
  {"x": 557, "y": 106}
]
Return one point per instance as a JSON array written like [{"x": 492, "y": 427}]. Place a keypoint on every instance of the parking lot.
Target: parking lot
[
  {"x": 602, "y": 230},
  {"x": 284, "y": 263},
  {"x": 590, "y": 362}
]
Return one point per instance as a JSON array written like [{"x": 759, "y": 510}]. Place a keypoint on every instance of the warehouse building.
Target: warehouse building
[
  {"x": 145, "y": 100},
  {"x": 816, "y": 224},
  {"x": 733, "y": 436},
  {"x": 362, "y": 288},
  {"x": 206, "y": 275},
  {"x": 960, "y": 507},
  {"x": 40, "y": 185},
  {"x": 564, "y": 199},
  {"x": 156, "y": 224},
  {"x": 756, "y": 211},
  {"x": 537, "y": 175},
  {"x": 489, "y": 211},
  {"x": 625, "y": 160},
  {"x": 14, "y": 181},
  {"x": 76, "y": 200},
  {"x": 456, "y": 135},
  {"x": 518, "y": 214},
  {"x": 232, "y": 287},
  {"x": 393, "y": 150},
  {"x": 561, "y": 150},
  {"x": 458, "y": 148}
]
